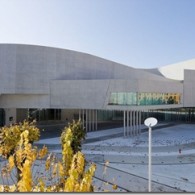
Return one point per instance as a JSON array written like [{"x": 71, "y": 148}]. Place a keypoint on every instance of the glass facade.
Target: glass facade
[
  {"x": 2, "y": 117},
  {"x": 158, "y": 98},
  {"x": 143, "y": 98},
  {"x": 123, "y": 98},
  {"x": 164, "y": 115},
  {"x": 45, "y": 114}
]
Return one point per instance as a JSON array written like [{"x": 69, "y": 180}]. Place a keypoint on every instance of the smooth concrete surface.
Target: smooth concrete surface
[
  {"x": 176, "y": 71},
  {"x": 189, "y": 88},
  {"x": 45, "y": 77},
  {"x": 124, "y": 161}
]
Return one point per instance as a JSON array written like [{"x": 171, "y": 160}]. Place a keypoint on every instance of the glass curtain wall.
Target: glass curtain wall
[
  {"x": 164, "y": 115},
  {"x": 178, "y": 114},
  {"x": 45, "y": 114},
  {"x": 132, "y": 98}
]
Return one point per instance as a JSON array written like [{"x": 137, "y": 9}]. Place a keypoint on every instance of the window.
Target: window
[{"x": 144, "y": 98}]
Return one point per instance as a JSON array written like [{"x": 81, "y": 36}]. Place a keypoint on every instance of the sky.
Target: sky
[{"x": 136, "y": 33}]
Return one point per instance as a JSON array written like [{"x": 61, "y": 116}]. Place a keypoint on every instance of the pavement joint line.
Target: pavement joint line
[{"x": 138, "y": 177}]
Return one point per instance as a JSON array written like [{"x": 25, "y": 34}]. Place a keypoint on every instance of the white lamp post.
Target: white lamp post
[{"x": 150, "y": 122}]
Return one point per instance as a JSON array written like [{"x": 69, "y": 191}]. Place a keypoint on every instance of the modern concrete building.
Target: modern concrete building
[{"x": 55, "y": 85}]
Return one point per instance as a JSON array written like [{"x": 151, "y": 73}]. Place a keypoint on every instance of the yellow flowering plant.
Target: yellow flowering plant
[
  {"x": 10, "y": 136},
  {"x": 53, "y": 175}
]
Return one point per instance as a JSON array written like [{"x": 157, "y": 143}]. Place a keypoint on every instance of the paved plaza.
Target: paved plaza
[
  {"x": 123, "y": 161},
  {"x": 126, "y": 158}
]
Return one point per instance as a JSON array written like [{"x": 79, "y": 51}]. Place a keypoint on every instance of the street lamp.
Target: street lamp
[{"x": 150, "y": 122}]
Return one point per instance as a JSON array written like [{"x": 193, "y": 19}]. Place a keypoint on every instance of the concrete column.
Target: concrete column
[
  {"x": 140, "y": 115},
  {"x": 93, "y": 120},
  {"x": 134, "y": 123},
  {"x": 79, "y": 114},
  {"x": 89, "y": 122},
  {"x": 124, "y": 122},
  {"x": 135, "y": 127},
  {"x": 137, "y": 120},
  {"x": 86, "y": 120},
  {"x": 90, "y": 116},
  {"x": 131, "y": 127},
  {"x": 96, "y": 122},
  {"x": 83, "y": 118},
  {"x": 135, "y": 132},
  {"x": 127, "y": 123}
]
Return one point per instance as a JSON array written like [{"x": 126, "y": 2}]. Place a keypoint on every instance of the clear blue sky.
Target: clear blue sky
[{"x": 137, "y": 33}]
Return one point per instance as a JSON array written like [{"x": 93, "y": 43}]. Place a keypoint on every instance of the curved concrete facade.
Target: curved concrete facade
[
  {"x": 176, "y": 71},
  {"x": 44, "y": 77}
]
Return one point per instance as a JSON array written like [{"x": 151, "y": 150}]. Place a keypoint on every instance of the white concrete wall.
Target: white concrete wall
[
  {"x": 24, "y": 101},
  {"x": 189, "y": 88},
  {"x": 159, "y": 86},
  {"x": 78, "y": 94},
  {"x": 176, "y": 71},
  {"x": 23, "y": 70},
  {"x": 27, "y": 69},
  {"x": 44, "y": 77},
  {"x": 94, "y": 94}
]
